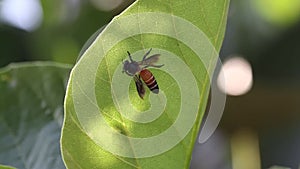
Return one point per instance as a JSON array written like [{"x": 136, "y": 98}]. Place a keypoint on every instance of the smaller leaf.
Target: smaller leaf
[
  {"x": 31, "y": 114},
  {"x": 6, "y": 167}
]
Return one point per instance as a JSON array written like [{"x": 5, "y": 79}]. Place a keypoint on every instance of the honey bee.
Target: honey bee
[{"x": 140, "y": 72}]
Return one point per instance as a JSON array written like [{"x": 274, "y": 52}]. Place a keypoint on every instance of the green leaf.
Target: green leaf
[
  {"x": 106, "y": 124},
  {"x": 6, "y": 167},
  {"x": 31, "y": 114}
]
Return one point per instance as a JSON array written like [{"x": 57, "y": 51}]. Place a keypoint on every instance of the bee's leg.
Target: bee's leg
[
  {"x": 146, "y": 54},
  {"x": 158, "y": 66},
  {"x": 145, "y": 66},
  {"x": 129, "y": 56}
]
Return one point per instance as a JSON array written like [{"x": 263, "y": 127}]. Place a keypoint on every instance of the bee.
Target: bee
[{"x": 140, "y": 72}]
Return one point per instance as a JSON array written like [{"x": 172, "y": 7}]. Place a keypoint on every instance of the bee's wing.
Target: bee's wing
[
  {"x": 150, "y": 60},
  {"x": 139, "y": 86}
]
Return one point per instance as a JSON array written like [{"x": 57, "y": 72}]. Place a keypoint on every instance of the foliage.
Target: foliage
[{"x": 31, "y": 114}]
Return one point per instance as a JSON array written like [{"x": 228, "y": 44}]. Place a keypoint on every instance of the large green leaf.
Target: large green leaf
[
  {"x": 106, "y": 124},
  {"x": 31, "y": 114}
]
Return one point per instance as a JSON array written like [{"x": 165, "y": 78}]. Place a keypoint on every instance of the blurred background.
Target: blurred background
[{"x": 260, "y": 127}]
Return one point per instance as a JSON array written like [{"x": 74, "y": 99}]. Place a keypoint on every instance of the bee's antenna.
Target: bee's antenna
[
  {"x": 129, "y": 56},
  {"x": 144, "y": 57}
]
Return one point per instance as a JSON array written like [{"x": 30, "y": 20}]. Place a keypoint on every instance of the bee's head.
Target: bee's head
[{"x": 130, "y": 68}]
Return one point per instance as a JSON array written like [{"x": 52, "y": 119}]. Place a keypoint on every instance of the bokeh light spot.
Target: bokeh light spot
[
  {"x": 235, "y": 77},
  {"x": 279, "y": 12},
  {"x": 245, "y": 150},
  {"x": 23, "y": 14}
]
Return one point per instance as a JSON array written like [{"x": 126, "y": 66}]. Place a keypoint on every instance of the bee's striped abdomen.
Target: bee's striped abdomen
[{"x": 149, "y": 80}]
